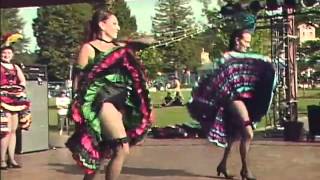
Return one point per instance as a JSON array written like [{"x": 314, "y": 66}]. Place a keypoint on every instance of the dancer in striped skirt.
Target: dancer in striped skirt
[{"x": 229, "y": 101}]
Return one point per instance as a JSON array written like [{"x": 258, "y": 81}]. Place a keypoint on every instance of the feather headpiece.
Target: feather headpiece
[
  {"x": 245, "y": 20},
  {"x": 9, "y": 39}
]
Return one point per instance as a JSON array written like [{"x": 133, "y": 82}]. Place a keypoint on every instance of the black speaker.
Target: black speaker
[
  {"x": 293, "y": 131},
  {"x": 314, "y": 120},
  {"x": 37, "y": 137}
]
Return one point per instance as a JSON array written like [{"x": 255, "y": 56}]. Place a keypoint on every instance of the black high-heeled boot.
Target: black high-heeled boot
[
  {"x": 223, "y": 170},
  {"x": 245, "y": 176}
]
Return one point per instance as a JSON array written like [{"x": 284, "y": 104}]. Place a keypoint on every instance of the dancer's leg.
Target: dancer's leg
[
  {"x": 222, "y": 167},
  {"x": 5, "y": 140},
  {"x": 239, "y": 109},
  {"x": 13, "y": 138},
  {"x": 113, "y": 129}
]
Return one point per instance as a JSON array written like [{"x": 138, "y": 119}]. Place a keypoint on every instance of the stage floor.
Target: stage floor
[{"x": 182, "y": 159}]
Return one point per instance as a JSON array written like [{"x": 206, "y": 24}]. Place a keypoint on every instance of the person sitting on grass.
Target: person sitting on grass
[
  {"x": 178, "y": 100},
  {"x": 167, "y": 100}
]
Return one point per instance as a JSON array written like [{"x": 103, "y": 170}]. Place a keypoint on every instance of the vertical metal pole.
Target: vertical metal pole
[
  {"x": 291, "y": 49},
  {"x": 275, "y": 100}
]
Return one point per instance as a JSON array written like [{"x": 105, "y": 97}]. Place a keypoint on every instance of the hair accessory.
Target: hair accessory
[
  {"x": 242, "y": 16},
  {"x": 9, "y": 39},
  {"x": 245, "y": 20}
]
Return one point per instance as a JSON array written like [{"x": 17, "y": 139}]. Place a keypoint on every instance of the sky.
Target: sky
[{"x": 143, "y": 10}]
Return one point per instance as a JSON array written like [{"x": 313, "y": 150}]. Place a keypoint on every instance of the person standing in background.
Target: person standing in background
[
  {"x": 62, "y": 103},
  {"x": 14, "y": 107}
]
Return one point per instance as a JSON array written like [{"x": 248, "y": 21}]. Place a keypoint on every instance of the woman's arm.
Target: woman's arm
[
  {"x": 21, "y": 76},
  {"x": 138, "y": 44},
  {"x": 85, "y": 53}
]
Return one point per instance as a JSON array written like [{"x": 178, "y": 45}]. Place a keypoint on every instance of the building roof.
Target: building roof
[{"x": 307, "y": 24}]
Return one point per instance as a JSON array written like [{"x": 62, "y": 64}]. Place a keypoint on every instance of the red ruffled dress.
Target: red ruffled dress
[{"x": 13, "y": 99}]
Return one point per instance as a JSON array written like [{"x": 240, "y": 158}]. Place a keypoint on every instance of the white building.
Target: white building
[{"x": 307, "y": 32}]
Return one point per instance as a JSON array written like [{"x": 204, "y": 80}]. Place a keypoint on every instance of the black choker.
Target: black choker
[{"x": 105, "y": 40}]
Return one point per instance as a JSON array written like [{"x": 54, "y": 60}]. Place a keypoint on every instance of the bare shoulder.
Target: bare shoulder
[
  {"x": 87, "y": 47},
  {"x": 85, "y": 53}
]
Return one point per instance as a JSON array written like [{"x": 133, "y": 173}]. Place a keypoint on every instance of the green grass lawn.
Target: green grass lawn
[
  {"x": 306, "y": 98},
  {"x": 179, "y": 114},
  {"x": 170, "y": 115}
]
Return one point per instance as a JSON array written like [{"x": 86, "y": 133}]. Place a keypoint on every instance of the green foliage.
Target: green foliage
[
  {"x": 309, "y": 56},
  {"x": 25, "y": 58},
  {"x": 217, "y": 38},
  {"x": 172, "y": 18},
  {"x": 11, "y": 22},
  {"x": 310, "y": 51},
  {"x": 189, "y": 53},
  {"x": 302, "y": 65},
  {"x": 309, "y": 15},
  {"x": 152, "y": 60},
  {"x": 310, "y": 47},
  {"x": 261, "y": 42},
  {"x": 171, "y": 15},
  {"x": 59, "y": 31}
]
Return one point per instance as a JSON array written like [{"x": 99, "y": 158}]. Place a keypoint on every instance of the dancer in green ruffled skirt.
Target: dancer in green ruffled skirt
[{"x": 111, "y": 108}]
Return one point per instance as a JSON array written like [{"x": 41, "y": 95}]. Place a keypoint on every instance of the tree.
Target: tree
[
  {"x": 152, "y": 60},
  {"x": 310, "y": 53},
  {"x": 309, "y": 15},
  {"x": 25, "y": 58},
  {"x": 261, "y": 42},
  {"x": 216, "y": 39},
  {"x": 173, "y": 19},
  {"x": 60, "y": 31},
  {"x": 11, "y": 22}
]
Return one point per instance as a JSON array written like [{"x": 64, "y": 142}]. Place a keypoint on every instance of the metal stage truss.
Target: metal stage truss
[
  {"x": 283, "y": 54},
  {"x": 284, "y": 42}
]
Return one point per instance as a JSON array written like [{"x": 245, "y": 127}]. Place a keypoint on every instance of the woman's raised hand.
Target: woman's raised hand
[{"x": 141, "y": 43}]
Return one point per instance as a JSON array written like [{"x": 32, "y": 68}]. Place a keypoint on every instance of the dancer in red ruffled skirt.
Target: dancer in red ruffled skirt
[{"x": 14, "y": 106}]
